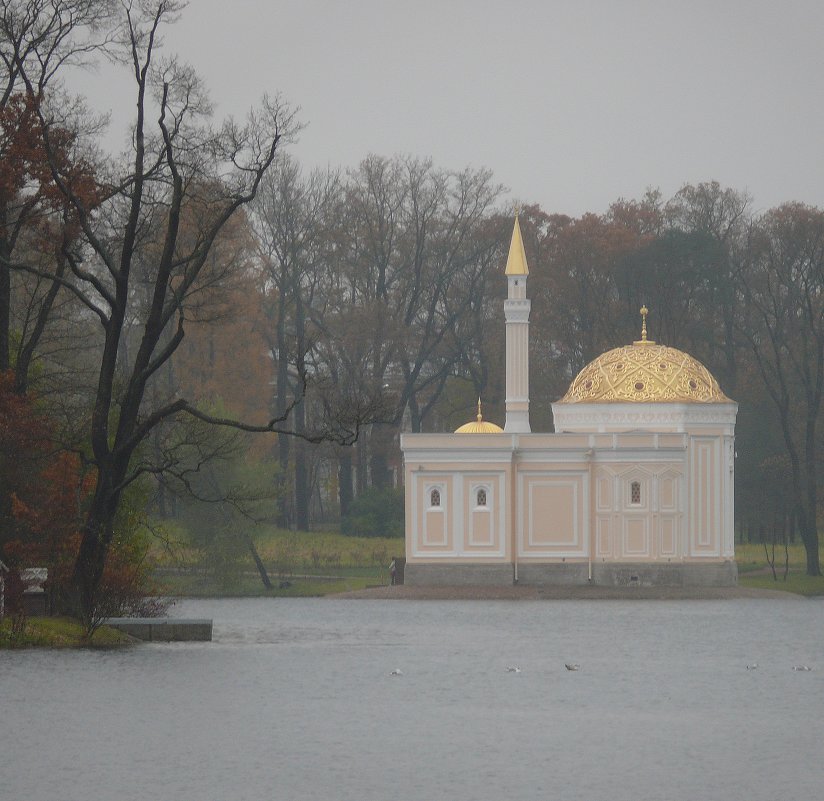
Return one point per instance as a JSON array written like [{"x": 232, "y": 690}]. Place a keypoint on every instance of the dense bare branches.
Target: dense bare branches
[{"x": 783, "y": 326}]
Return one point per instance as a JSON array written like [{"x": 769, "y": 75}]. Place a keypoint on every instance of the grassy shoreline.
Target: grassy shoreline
[{"x": 58, "y": 632}]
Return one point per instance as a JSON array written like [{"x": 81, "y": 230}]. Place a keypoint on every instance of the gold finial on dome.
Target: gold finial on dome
[
  {"x": 479, "y": 426},
  {"x": 643, "y": 341}
]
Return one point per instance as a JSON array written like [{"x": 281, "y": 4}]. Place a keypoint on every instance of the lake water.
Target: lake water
[{"x": 294, "y": 700}]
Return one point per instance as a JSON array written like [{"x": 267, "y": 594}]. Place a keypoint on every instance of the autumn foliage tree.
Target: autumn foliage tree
[
  {"x": 38, "y": 40},
  {"x": 24, "y": 449},
  {"x": 49, "y": 519}
]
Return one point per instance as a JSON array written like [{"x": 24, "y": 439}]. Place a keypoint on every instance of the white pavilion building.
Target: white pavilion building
[{"x": 635, "y": 487}]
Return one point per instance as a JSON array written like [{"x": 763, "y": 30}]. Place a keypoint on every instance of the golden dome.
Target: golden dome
[
  {"x": 479, "y": 425},
  {"x": 645, "y": 372}
]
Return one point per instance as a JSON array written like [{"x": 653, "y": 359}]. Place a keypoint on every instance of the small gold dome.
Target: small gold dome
[
  {"x": 479, "y": 425},
  {"x": 645, "y": 372}
]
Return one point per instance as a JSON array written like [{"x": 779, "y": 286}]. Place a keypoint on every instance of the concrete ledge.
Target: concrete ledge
[
  {"x": 429, "y": 575},
  {"x": 163, "y": 629}
]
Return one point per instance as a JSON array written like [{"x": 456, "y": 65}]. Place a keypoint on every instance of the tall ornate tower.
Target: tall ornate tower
[{"x": 516, "y": 312}]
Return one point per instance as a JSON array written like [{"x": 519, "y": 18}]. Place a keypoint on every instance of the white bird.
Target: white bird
[
  {"x": 396, "y": 672},
  {"x": 513, "y": 669},
  {"x": 801, "y": 667},
  {"x": 571, "y": 666},
  {"x": 753, "y": 666}
]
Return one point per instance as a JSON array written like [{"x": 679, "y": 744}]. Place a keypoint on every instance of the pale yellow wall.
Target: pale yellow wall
[
  {"x": 483, "y": 530},
  {"x": 436, "y": 532},
  {"x": 705, "y": 497},
  {"x": 649, "y": 529},
  {"x": 459, "y": 528},
  {"x": 553, "y": 498},
  {"x": 555, "y": 515}
]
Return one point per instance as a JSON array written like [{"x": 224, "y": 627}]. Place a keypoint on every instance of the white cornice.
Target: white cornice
[
  {"x": 583, "y": 417},
  {"x": 497, "y": 449}
]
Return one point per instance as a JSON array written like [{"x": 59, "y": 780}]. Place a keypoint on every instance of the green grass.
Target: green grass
[
  {"x": 289, "y": 551},
  {"x": 203, "y": 585},
  {"x": 797, "y": 582},
  {"x": 57, "y": 632},
  {"x": 754, "y": 569},
  {"x": 314, "y": 563},
  {"x": 751, "y": 556}
]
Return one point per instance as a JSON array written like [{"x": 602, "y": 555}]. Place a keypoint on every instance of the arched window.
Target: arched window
[
  {"x": 435, "y": 497},
  {"x": 480, "y": 497},
  {"x": 635, "y": 493}
]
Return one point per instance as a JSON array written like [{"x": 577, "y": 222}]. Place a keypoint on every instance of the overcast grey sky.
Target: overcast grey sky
[{"x": 571, "y": 104}]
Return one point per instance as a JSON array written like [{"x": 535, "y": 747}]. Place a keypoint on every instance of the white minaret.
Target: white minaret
[{"x": 516, "y": 312}]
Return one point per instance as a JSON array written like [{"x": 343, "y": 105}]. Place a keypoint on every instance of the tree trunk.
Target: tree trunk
[
  {"x": 378, "y": 463},
  {"x": 281, "y": 401},
  {"x": 301, "y": 489},
  {"x": 301, "y": 472},
  {"x": 5, "y": 306},
  {"x": 811, "y": 547},
  {"x": 91, "y": 558},
  {"x": 360, "y": 476},
  {"x": 345, "y": 481},
  {"x": 414, "y": 414},
  {"x": 264, "y": 575},
  {"x": 811, "y": 538}
]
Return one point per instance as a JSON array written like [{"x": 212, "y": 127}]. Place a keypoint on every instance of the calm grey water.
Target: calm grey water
[{"x": 294, "y": 700}]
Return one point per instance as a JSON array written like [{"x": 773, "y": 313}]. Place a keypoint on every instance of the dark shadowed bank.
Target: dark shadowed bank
[{"x": 561, "y": 593}]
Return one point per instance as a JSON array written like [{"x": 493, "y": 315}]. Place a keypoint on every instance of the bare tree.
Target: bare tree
[
  {"x": 783, "y": 326},
  {"x": 293, "y": 219},
  {"x": 721, "y": 216},
  {"x": 179, "y": 164},
  {"x": 414, "y": 264}
]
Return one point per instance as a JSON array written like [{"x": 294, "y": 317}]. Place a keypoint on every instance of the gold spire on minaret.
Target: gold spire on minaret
[
  {"x": 644, "y": 311},
  {"x": 516, "y": 262}
]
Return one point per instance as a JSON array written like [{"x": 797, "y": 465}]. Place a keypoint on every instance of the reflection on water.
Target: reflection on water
[{"x": 295, "y": 699}]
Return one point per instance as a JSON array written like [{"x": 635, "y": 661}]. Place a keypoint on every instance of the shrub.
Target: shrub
[{"x": 375, "y": 513}]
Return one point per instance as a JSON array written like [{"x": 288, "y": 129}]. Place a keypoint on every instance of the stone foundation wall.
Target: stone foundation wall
[
  {"x": 457, "y": 574},
  {"x": 605, "y": 574},
  {"x": 566, "y": 573},
  {"x": 713, "y": 574}
]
